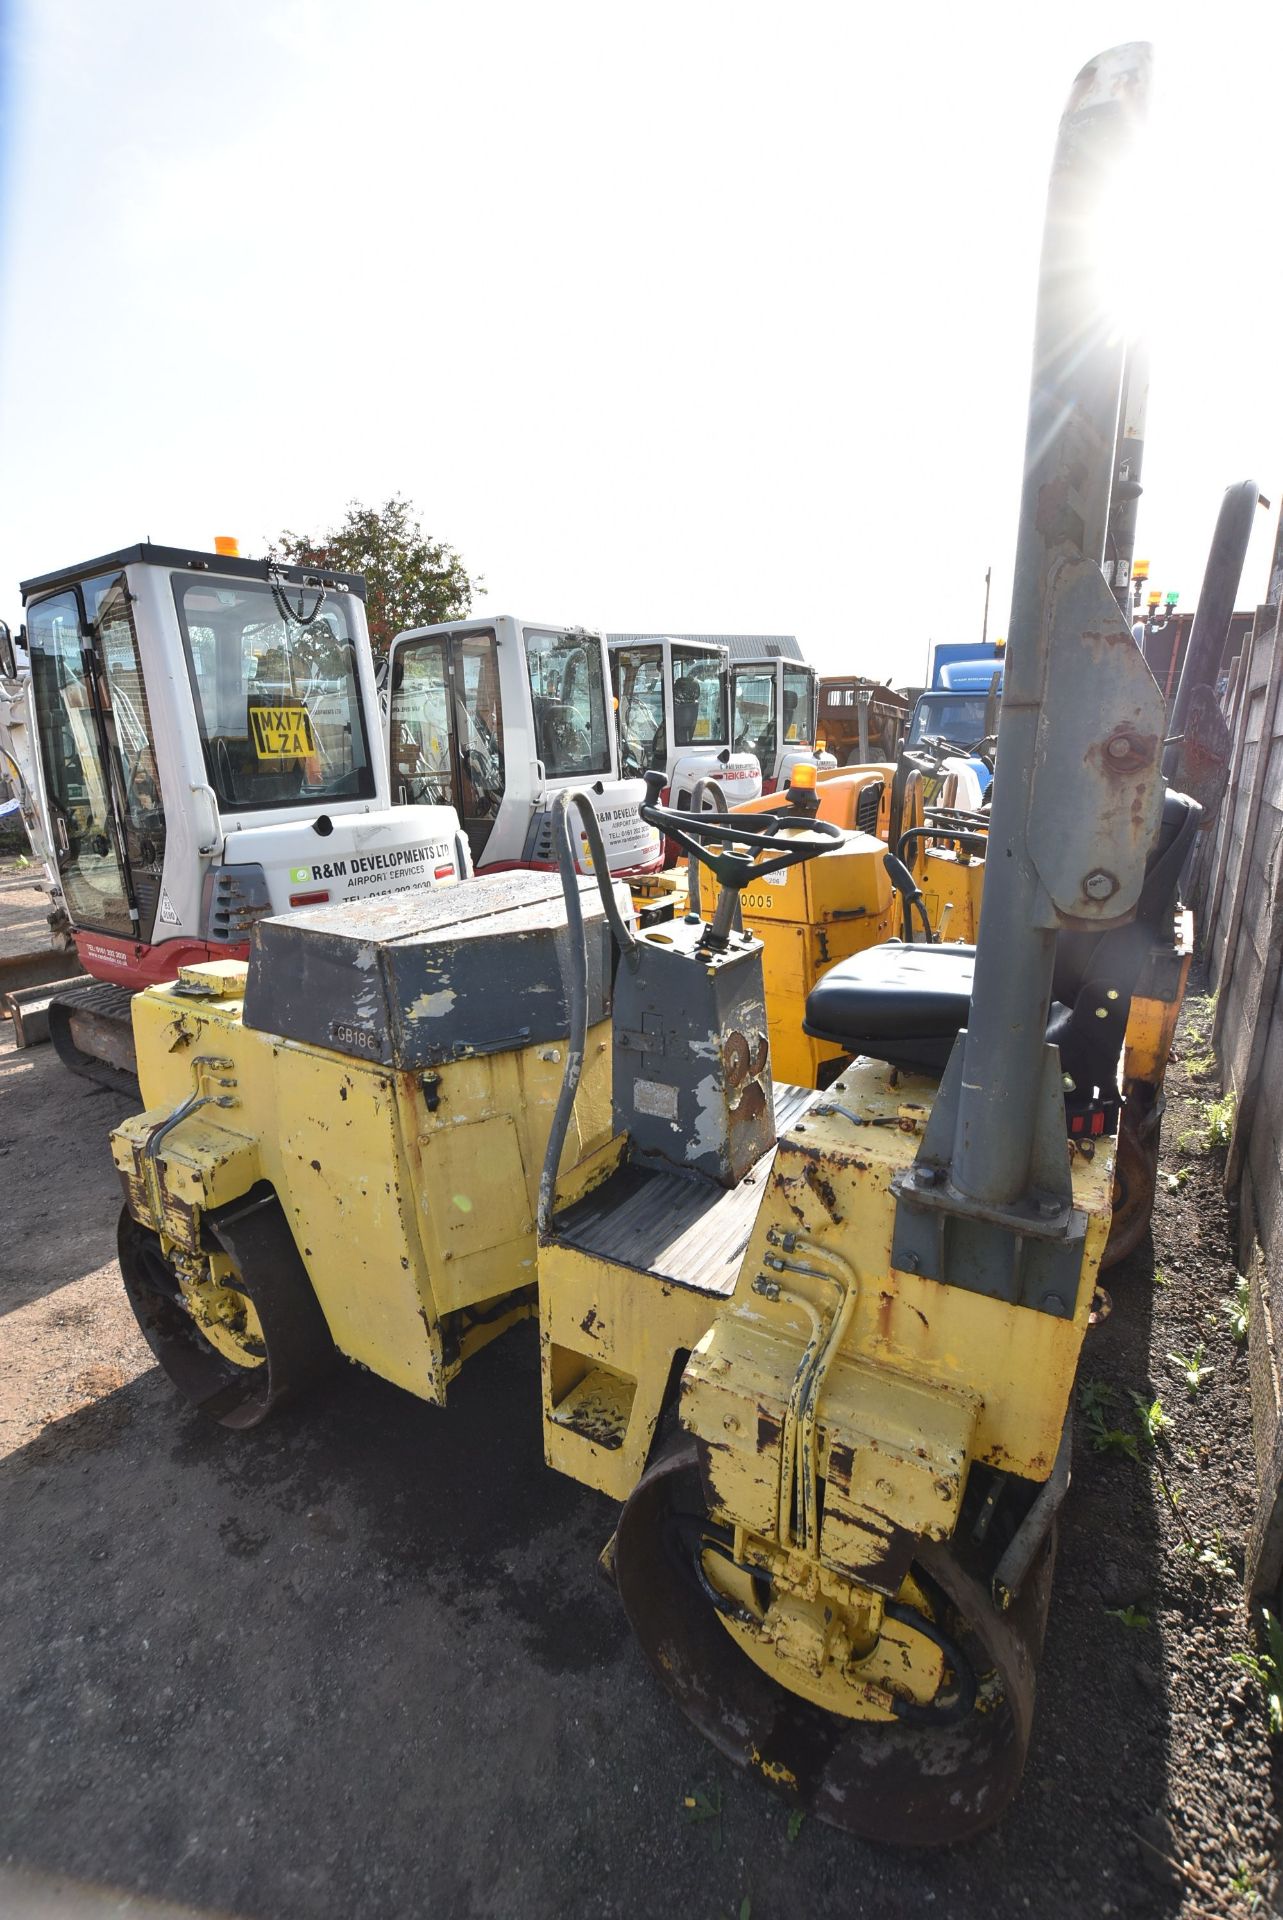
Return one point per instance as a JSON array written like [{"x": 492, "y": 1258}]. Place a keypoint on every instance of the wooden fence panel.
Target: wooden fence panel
[
  {"x": 1241, "y": 908},
  {"x": 1218, "y": 871}
]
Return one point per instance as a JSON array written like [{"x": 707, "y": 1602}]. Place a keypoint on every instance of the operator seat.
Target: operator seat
[{"x": 905, "y": 1003}]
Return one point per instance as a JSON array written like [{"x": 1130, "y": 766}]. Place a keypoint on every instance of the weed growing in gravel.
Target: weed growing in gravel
[
  {"x": 1153, "y": 1421},
  {"x": 1173, "y": 1182},
  {"x": 1215, "y": 1557},
  {"x": 1192, "y": 1369},
  {"x": 1215, "y": 1126},
  {"x": 1130, "y": 1616},
  {"x": 1245, "y": 1886},
  {"x": 1094, "y": 1396},
  {"x": 1210, "y": 1554},
  {"x": 1243, "y": 1883},
  {"x": 1266, "y": 1668},
  {"x": 1200, "y": 1016},
  {"x": 1097, "y": 1401},
  {"x": 1160, "y": 1278},
  {"x": 1107, "y": 1439},
  {"x": 1235, "y": 1310},
  {"x": 700, "y": 1805}
]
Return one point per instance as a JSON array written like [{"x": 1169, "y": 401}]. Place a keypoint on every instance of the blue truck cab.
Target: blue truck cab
[{"x": 955, "y": 706}]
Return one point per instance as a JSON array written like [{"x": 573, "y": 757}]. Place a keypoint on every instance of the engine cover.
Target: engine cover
[{"x": 419, "y": 979}]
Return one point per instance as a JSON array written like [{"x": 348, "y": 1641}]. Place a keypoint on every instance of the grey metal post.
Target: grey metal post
[
  {"x": 1073, "y": 418},
  {"x": 1128, "y": 459},
  {"x": 1274, "y": 592},
  {"x": 1215, "y": 606}
]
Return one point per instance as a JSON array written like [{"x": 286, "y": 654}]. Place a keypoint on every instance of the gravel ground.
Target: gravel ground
[
  {"x": 24, "y": 909},
  {"x": 360, "y": 1662}
]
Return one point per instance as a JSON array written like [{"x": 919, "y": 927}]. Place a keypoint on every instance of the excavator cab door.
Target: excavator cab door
[
  {"x": 98, "y": 758},
  {"x": 446, "y": 728}
]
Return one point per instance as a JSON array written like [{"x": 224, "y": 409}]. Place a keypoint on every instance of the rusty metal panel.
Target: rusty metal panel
[{"x": 1103, "y": 751}]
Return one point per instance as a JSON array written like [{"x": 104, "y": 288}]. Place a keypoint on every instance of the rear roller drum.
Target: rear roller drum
[
  {"x": 239, "y": 1332},
  {"x": 929, "y": 1772}
]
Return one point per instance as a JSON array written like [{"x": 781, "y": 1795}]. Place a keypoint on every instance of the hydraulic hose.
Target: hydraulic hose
[
  {"x": 1011, "y": 1571},
  {"x": 789, "y": 1511},
  {"x": 197, "y": 1098},
  {"x": 575, "y": 974},
  {"x": 798, "y": 1480},
  {"x": 847, "y": 1282},
  {"x": 913, "y": 1713}
]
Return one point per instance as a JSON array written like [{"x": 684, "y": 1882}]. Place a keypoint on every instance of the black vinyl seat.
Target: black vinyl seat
[
  {"x": 904, "y": 1003},
  {"x": 900, "y": 1003}
]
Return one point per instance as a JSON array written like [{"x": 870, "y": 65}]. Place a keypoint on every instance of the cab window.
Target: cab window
[
  {"x": 568, "y": 694},
  {"x": 754, "y": 693},
  {"x": 638, "y": 677},
  {"x": 422, "y": 765},
  {"x": 700, "y": 698},
  {"x": 798, "y": 706},
  {"x": 278, "y": 702}
]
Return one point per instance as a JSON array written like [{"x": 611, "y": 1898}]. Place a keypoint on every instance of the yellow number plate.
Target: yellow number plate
[{"x": 282, "y": 733}]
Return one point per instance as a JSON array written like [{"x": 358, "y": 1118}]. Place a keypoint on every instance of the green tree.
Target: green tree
[{"x": 411, "y": 579}]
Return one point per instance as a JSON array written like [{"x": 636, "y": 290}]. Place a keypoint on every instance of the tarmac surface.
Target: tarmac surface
[{"x": 360, "y": 1663}]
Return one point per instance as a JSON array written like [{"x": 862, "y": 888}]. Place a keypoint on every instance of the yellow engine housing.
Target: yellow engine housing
[
  {"x": 808, "y": 917},
  {"x": 411, "y": 1196},
  {"x": 952, "y": 887}
]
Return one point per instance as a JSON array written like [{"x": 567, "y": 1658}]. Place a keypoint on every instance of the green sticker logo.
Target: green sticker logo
[{"x": 300, "y": 873}]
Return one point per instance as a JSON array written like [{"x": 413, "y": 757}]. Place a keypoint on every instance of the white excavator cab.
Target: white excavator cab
[
  {"x": 495, "y": 717},
  {"x": 774, "y": 712},
  {"x": 208, "y": 736},
  {"x": 674, "y": 707}
]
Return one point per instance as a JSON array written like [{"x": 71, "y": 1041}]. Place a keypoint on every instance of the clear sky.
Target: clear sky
[{"x": 704, "y": 316}]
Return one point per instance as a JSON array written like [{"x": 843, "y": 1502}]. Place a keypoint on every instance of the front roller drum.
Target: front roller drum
[
  {"x": 238, "y": 1349},
  {"x": 920, "y": 1781}
]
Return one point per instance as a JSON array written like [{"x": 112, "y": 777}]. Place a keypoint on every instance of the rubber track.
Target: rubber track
[{"x": 111, "y": 1005}]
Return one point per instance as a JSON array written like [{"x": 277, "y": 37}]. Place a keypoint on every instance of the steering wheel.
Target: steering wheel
[
  {"x": 764, "y": 849},
  {"x": 483, "y": 775},
  {"x": 574, "y": 741}
]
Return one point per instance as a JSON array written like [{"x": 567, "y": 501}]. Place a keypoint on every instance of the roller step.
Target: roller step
[{"x": 597, "y": 1408}]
